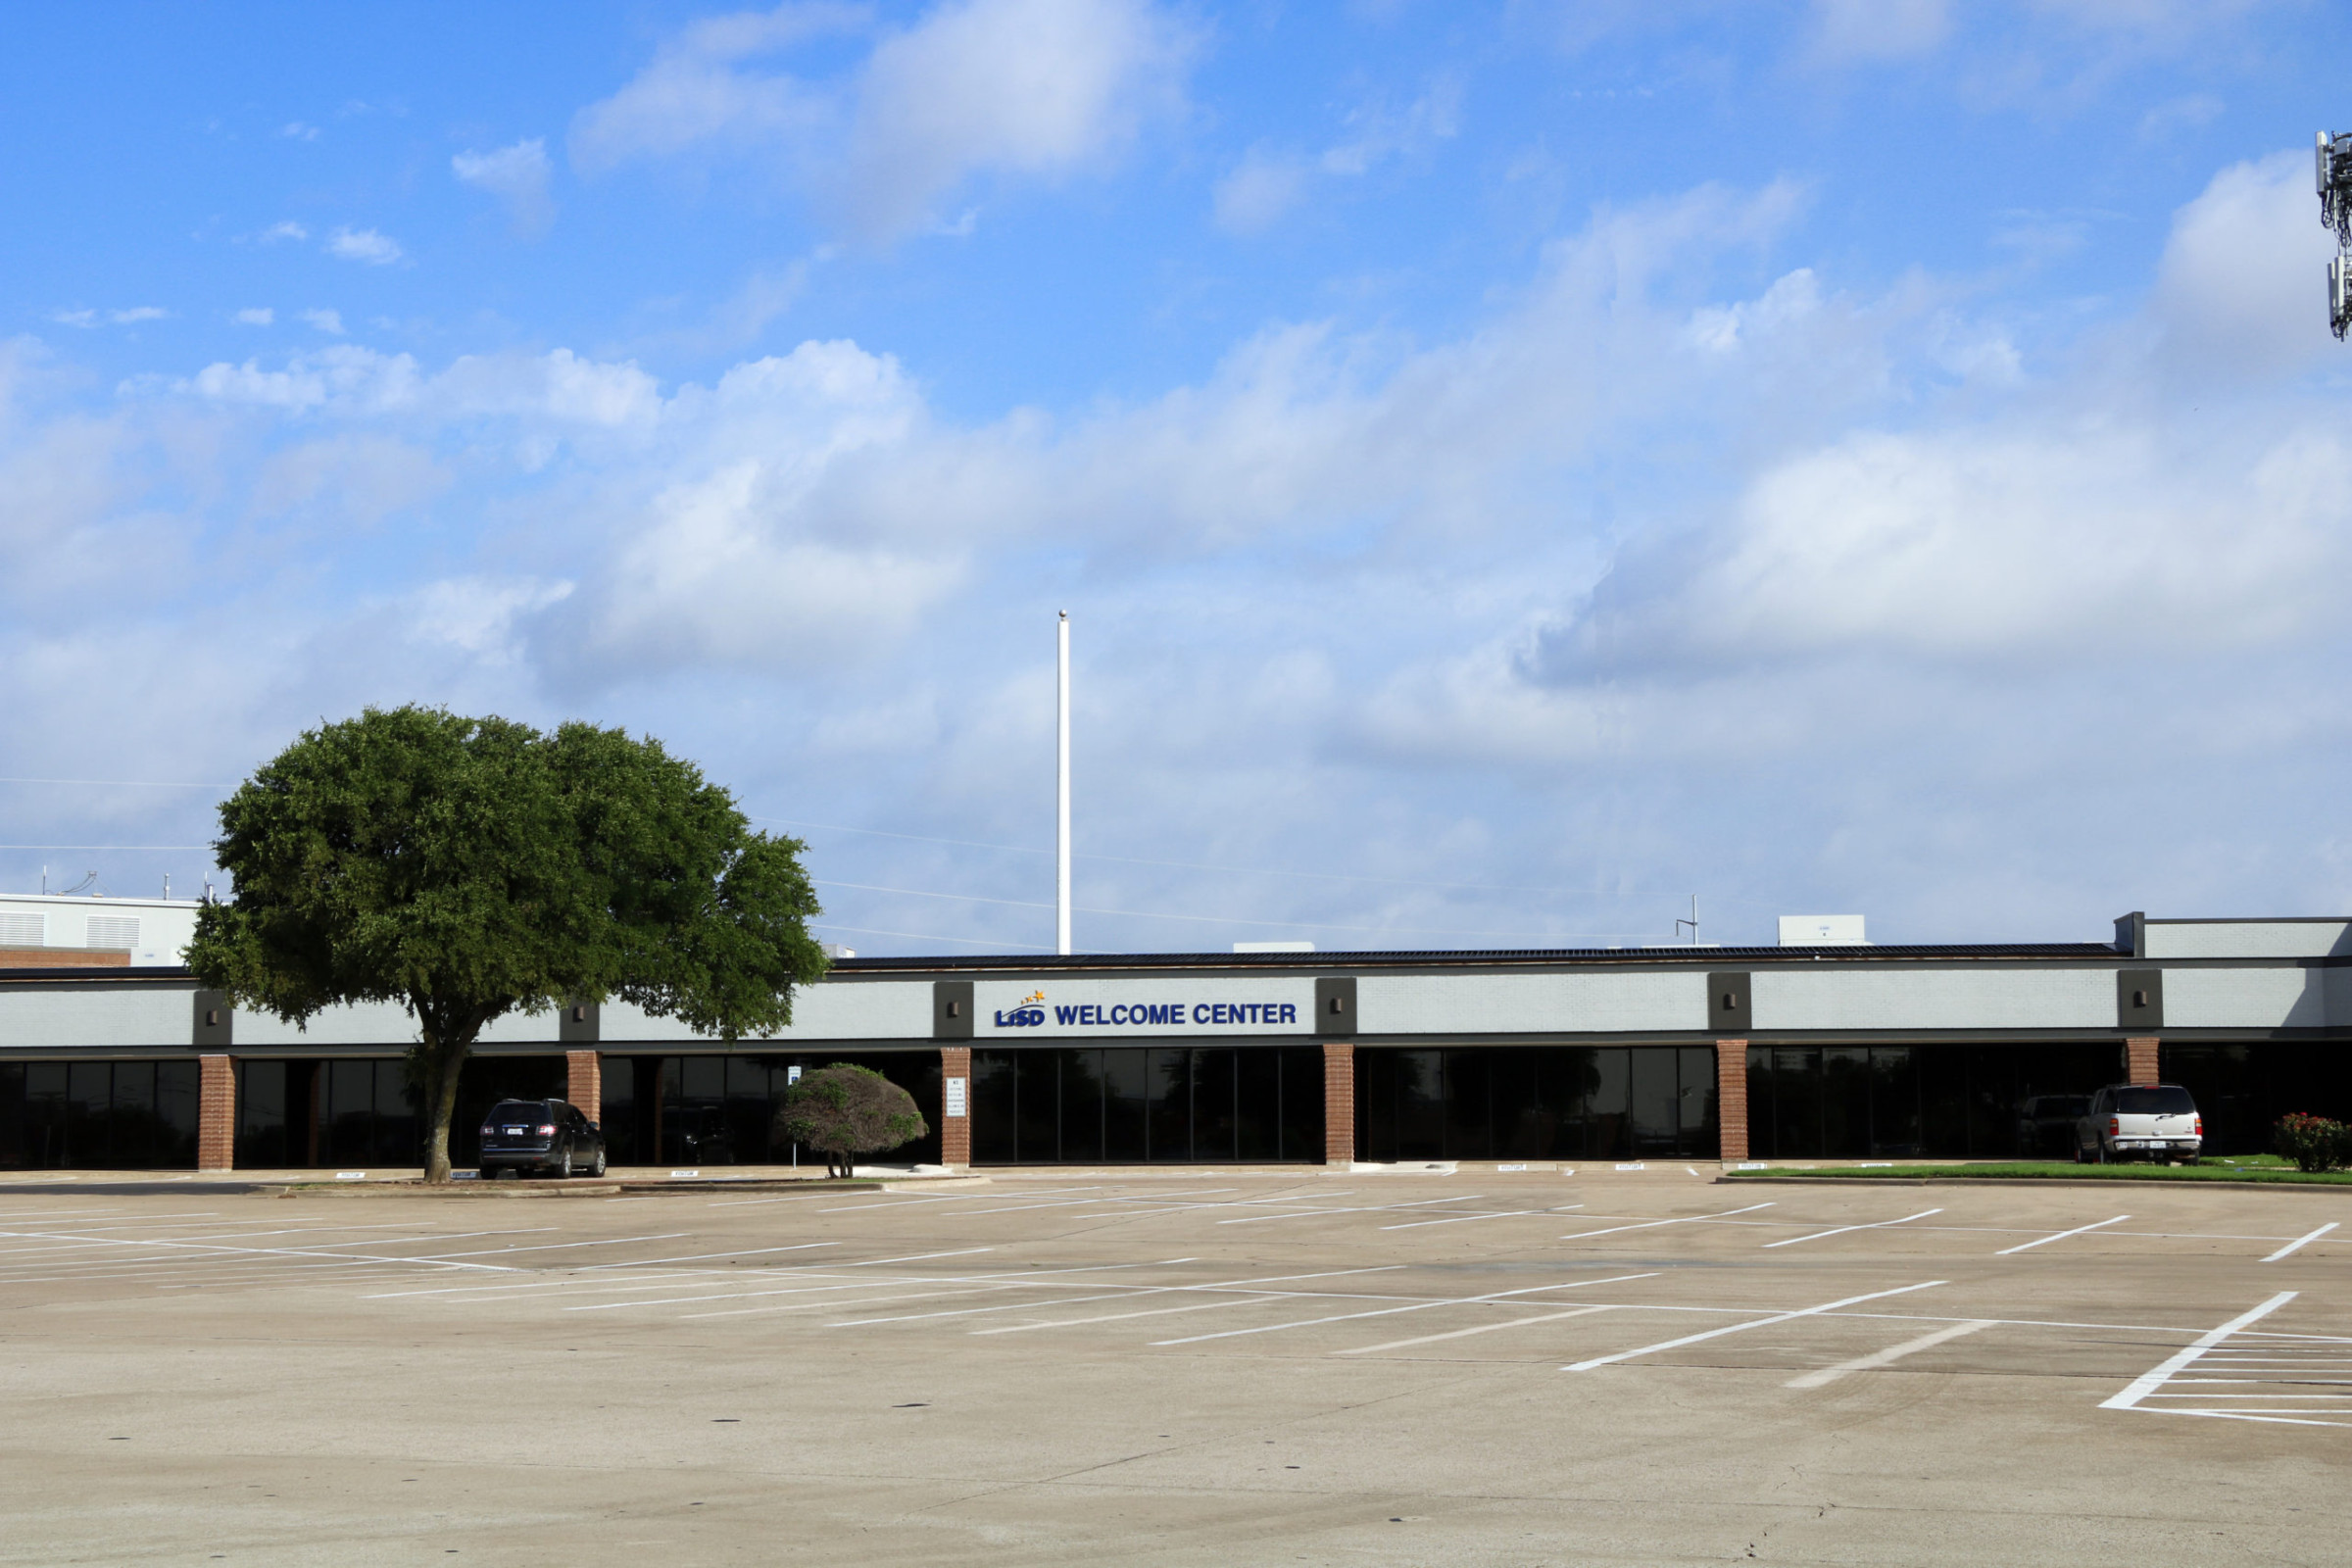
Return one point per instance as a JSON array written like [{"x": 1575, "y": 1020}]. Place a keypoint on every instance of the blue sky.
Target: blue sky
[{"x": 1509, "y": 466}]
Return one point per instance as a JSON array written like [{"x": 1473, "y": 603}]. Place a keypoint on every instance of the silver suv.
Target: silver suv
[{"x": 2150, "y": 1121}]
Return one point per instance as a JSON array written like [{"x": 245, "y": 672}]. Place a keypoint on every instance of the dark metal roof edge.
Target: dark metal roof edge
[
  {"x": 154, "y": 972},
  {"x": 2247, "y": 919},
  {"x": 1470, "y": 958}
]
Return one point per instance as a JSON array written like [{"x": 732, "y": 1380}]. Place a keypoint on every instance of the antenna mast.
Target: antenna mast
[
  {"x": 1061, "y": 867},
  {"x": 2335, "y": 214}
]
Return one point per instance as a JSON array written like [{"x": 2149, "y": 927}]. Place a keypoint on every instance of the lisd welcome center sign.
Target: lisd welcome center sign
[{"x": 1143, "y": 1005}]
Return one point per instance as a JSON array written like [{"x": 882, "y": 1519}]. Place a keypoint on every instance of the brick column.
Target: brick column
[
  {"x": 1339, "y": 1103},
  {"x": 1731, "y": 1097},
  {"x": 584, "y": 1083},
  {"x": 955, "y": 1093},
  {"x": 216, "y": 1113},
  {"x": 2140, "y": 1055}
]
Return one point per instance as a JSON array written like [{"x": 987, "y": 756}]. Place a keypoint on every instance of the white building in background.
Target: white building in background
[{"x": 148, "y": 932}]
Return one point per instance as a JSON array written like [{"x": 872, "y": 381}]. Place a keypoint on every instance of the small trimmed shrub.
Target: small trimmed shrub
[
  {"x": 2312, "y": 1143},
  {"x": 843, "y": 1112}
]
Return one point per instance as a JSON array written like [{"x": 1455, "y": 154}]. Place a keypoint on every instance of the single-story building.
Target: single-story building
[{"x": 1833, "y": 1049}]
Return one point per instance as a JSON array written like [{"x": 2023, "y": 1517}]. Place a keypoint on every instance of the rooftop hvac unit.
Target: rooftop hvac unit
[
  {"x": 112, "y": 931},
  {"x": 1822, "y": 931},
  {"x": 24, "y": 930}
]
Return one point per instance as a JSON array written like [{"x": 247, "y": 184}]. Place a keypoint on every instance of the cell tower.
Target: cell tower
[{"x": 2335, "y": 212}]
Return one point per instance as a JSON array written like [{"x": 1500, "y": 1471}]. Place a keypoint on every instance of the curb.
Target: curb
[{"x": 2108, "y": 1182}]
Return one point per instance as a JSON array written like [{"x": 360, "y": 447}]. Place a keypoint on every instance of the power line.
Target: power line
[
  {"x": 120, "y": 783},
  {"x": 1262, "y": 870},
  {"x": 1202, "y": 920},
  {"x": 922, "y": 935}
]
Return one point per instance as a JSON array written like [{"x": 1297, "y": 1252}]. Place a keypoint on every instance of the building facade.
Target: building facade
[{"x": 1799, "y": 1051}]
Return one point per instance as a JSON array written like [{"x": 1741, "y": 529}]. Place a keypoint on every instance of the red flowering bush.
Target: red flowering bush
[{"x": 2312, "y": 1143}]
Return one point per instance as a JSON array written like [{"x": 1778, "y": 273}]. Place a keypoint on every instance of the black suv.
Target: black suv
[{"x": 540, "y": 1135}]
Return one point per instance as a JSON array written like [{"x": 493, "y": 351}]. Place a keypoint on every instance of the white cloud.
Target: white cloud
[
  {"x": 2240, "y": 290},
  {"x": 1576, "y": 597},
  {"x": 130, "y": 316},
  {"x": 518, "y": 176},
  {"x": 256, "y": 316},
  {"x": 1039, "y": 89},
  {"x": 695, "y": 94},
  {"x": 1261, "y": 188},
  {"x": 1266, "y": 186},
  {"x": 364, "y": 245},
  {"x": 1850, "y": 30},
  {"x": 351, "y": 479},
  {"x": 296, "y": 130},
  {"x": 324, "y": 320},
  {"x": 283, "y": 230},
  {"x": 2195, "y": 110}
]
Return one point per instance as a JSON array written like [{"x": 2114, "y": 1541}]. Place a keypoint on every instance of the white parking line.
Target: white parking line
[
  {"x": 1888, "y": 1356},
  {"x": 2028, "y": 1247},
  {"x": 1501, "y": 1213},
  {"x": 1164, "y": 1311},
  {"x": 1416, "y": 1306},
  {"x": 2150, "y": 1384},
  {"x": 2301, "y": 1242},
  {"x": 1844, "y": 1229},
  {"x": 1357, "y": 1208},
  {"x": 1483, "y": 1328},
  {"x": 964, "y": 1285},
  {"x": 700, "y": 1258},
  {"x": 1652, "y": 1224},
  {"x": 554, "y": 1247},
  {"x": 291, "y": 1251},
  {"x": 727, "y": 1296},
  {"x": 1742, "y": 1327}
]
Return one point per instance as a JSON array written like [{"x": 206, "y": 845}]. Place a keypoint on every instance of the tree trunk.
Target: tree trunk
[
  {"x": 445, "y": 1109},
  {"x": 441, "y": 1051}
]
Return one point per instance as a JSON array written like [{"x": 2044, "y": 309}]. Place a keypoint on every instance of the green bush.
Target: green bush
[
  {"x": 2312, "y": 1143},
  {"x": 843, "y": 1112}
]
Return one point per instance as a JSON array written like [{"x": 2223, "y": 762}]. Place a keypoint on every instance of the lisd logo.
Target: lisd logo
[{"x": 1027, "y": 1014}]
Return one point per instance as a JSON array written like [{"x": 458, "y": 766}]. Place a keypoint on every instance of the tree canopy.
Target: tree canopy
[
  {"x": 471, "y": 868},
  {"x": 844, "y": 1110}
]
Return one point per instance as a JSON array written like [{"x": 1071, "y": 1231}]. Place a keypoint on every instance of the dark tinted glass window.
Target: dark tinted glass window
[
  {"x": 2164, "y": 1101},
  {"x": 532, "y": 1111}
]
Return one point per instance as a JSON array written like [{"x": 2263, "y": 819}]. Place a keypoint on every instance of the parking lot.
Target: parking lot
[{"x": 1180, "y": 1366}]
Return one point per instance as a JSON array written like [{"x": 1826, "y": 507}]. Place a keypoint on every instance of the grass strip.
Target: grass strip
[{"x": 2268, "y": 1171}]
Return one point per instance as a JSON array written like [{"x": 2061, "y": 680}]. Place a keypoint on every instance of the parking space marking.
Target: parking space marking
[
  {"x": 2301, "y": 1242},
  {"x": 1652, "y": 1224},
  {"x": 1414, "y": 1307},
  {"x": 289, "y": 1252},
  {"x": 1481, "y": 1328},
  {"x": 1499, "y": 1213},
  {"x": 1197, "y": 1306},
  {"x": 1888, "y": 1356},
  {"x": 1841, "y": 1230},
  {"x": 2028, "y": 1247},
  {"x": 1742, "y": 1327},
  {"x": 949, "y": 1287},
  {"x": 1361, "y": 1208},
  {"x": 2279, "y": 1374},
  {"x": 701, "y": 1257}
]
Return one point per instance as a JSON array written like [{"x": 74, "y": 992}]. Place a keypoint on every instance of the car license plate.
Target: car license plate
[{"x": 512, "y": 1131}]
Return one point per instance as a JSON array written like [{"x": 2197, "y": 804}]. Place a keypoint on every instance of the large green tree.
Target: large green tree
[{"x": 471, "y": 868}]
